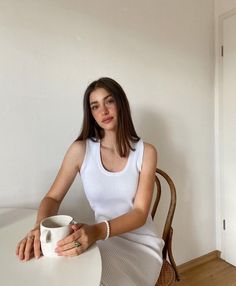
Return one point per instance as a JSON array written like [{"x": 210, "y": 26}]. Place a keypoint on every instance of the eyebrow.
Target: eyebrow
[{"x": 94, "y": 102}]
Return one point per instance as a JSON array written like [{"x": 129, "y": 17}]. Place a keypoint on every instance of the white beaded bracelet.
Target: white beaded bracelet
[{"x": 108, "y": 229}]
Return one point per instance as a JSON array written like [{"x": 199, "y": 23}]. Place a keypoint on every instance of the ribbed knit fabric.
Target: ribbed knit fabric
[{"x": 132, "y": 258}]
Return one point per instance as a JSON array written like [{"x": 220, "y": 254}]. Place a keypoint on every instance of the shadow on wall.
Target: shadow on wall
[
  {"x": 157, "y": 130},
  {"x": 10, "y": 216}
]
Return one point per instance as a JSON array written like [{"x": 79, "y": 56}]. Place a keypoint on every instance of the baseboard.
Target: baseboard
[{"x": 198, "y": 261}]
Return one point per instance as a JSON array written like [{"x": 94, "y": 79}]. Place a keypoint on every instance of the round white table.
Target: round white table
[{"x": 84, "y": 270}]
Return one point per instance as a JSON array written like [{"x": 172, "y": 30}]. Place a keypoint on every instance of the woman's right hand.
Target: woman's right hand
[{"x": 29, "y": 246}]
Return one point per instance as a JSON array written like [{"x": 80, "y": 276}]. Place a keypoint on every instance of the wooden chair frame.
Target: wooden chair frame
[{"x": 169, "y": 273}]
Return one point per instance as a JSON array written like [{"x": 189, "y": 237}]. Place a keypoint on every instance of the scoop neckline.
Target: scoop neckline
[{"x": 104, "y": 170}]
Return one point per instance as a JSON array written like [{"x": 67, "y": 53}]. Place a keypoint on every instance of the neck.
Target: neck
[{"x": 109, "y": 141}]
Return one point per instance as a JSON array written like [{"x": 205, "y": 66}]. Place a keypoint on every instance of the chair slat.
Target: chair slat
[{"x": 169, "y": 273}]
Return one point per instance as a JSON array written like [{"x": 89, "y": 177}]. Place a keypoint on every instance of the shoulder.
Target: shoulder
[
  {"x": 149, "y": 149},
  {"x": 76, "y": 152},
  {"x": 77, "y": 147},
  {"x": 149, "y": 154}
]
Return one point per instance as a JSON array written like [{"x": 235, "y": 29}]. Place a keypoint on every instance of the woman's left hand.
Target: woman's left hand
[{"x": 79, "y": 241}]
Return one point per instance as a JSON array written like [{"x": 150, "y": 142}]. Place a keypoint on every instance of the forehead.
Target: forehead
[{"x": 98, "y": 94}]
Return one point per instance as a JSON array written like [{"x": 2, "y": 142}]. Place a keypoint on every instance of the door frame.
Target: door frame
[{"x": 219, "y": 170}]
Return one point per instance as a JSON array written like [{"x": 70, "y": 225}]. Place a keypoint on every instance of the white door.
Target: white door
[{"x": 228, "y": 138}]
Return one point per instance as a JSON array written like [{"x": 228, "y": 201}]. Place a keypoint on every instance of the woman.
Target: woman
[{"x": 118, "y": 171}]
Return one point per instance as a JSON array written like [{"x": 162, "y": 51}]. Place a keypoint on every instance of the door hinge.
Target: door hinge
[
  {"x": 223, "y": 224},
  {"x": 222, "y": 51}
]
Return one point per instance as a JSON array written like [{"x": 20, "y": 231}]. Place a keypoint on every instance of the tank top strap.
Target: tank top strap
[
  {"x": 90, "y": 153},
  {"x": 138, "y": 154}
]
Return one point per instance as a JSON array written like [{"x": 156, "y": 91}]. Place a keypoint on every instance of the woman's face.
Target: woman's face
[{"x": 103, "y": 108}]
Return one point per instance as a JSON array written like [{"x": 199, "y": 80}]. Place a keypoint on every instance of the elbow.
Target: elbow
[
  {"x": 51, "y": 200},
  {"x": 143, "y": 221},
  {"x": 142, "y": 218}
]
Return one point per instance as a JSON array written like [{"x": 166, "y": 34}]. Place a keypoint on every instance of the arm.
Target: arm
[
  {"x": 88, "y": 234},
  {"x": 65, "y": 177},
  {"x": 52, "y": 200}
]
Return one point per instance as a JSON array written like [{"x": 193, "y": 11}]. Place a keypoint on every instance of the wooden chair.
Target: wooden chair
[{"x": 169, "y": 273}]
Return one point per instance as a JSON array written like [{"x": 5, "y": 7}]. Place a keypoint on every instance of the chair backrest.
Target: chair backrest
[{"x": 168, "y": 230}]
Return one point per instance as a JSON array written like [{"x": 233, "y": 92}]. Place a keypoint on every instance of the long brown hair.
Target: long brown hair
[{"x": 126, "y": 134}]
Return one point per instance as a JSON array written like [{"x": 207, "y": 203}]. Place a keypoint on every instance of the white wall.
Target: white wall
[
  {"x": 162, "y": 54},
  {"x": 222, "y": 7}
]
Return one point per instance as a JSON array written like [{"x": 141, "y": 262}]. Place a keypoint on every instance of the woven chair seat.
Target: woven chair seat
[{"x": 167, "y": 275}]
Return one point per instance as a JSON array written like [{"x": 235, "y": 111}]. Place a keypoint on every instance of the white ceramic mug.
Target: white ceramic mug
[{"x": 53, "y": 229}]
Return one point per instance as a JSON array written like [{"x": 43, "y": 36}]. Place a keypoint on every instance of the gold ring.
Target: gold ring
[
  {"x": 30, "y": 237},
  {"x": 77, "y": 244}
]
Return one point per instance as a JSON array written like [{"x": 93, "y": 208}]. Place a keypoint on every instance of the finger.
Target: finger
[
  {"x": 31, "y": 254},
  {"x": 28, "y": 247},
  {"x": 37, "y": 250},
  {"x": 71, "y": 252},
  {"x": 22, "y": 248},
  {"x": 74, "y": 236},
  {"x": 68, "y": 246},
  {"x": 18, "y": 247},
  {"x": 76, "y": 226}
]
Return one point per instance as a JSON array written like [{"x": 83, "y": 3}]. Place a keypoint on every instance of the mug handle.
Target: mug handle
[
  {"x": 73, "y": 222},
  {"x": 44, "y": 236}
]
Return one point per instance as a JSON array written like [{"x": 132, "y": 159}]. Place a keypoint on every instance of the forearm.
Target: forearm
[
  {"x": 124, "y": 223},
  {"x": 127, "y": 222},
  {"x": 47, "y": 207}
]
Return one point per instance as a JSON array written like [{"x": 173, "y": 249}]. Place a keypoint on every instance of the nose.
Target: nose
[{"x": 104, "y": 109}]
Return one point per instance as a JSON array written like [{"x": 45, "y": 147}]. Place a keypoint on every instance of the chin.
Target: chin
[{"x": 109, "y": 128}]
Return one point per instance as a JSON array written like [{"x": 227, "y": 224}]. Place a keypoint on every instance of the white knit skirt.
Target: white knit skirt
[{"x": 129, "y": 263}]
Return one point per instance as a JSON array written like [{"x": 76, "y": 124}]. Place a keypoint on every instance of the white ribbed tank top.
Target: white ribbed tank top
[{"x": 110, "y": 194}]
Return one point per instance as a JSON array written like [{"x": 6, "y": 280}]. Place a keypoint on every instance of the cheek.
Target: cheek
[
  {"x": 94, "y": 115},
  {"x": 114, "y": 109}
]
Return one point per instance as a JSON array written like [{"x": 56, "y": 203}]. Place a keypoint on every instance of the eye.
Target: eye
[
  {"x": 94, "y": 107},
  {"x": 110, "y": 100}
]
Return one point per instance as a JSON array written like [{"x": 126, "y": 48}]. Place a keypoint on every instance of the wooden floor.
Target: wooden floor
[{"x": 213, "y": 273}]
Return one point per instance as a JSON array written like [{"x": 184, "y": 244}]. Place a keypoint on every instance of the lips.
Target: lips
[{"x": 107, "y": 120}]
